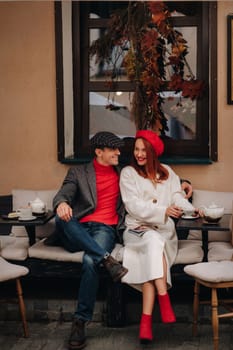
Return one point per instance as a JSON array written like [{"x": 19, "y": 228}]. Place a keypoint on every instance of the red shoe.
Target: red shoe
[
  {"x": 166, "y": 311},
  {"x": 145, "y": 333}
]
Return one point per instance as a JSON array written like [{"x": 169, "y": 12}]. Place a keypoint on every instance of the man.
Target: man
[{"x": 89, "y": 216}]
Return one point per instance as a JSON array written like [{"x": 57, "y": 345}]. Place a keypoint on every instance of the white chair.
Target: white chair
[
  {"x": 8, "y": 272},
  {"x": 214, "y": 275}
]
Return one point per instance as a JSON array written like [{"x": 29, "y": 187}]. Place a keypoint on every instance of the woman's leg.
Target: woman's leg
[
  {"x": 167, "y": 313},
  {"x": 148, "y": 297},
  {"x": 161, "y": 283}
]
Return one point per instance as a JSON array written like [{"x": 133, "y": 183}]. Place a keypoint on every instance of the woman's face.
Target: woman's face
[{"x": 140, "y": 152}]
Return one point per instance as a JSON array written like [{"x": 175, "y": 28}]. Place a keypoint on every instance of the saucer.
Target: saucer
[
  {"x": 189, "y": 217},
  {"x": 10, "y": 216},
  {"x": 28, "y": 219},
  {"x": 43, "y": 213}
]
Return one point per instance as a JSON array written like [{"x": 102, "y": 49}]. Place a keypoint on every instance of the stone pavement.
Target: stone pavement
[{"x": 54, "y": 335}]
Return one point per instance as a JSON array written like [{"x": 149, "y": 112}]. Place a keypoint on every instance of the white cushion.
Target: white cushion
[
  {"x": 214, "y": 271},
  {"x": 22, "y": 197},
  {"x": 218, "y": 251},
  {"x": 10, "y": 271},
  {"x": 14, "y": 248},
  {"x": 189, "y": 252},
  {"x": 42, "y": 251}
]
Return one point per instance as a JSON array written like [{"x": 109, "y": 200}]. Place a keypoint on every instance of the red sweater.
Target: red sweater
[{"x": 107, "y": 187}]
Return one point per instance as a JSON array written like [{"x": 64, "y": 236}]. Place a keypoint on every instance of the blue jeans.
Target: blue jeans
[{"x": 96, "y": 240}]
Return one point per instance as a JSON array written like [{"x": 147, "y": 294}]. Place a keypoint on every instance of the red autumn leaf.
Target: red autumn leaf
[
  {"x": 156, "y": 6},
  {"x": 175, "y": 83},
  {"x": 158, "y": 17},
  {"x": 174, "y": 60},
  {"x": 149, "y": 39},
  {"x": 192, "y": 89}
]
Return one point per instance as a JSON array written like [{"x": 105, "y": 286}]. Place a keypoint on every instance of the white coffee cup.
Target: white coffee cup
[
  {"x": 188, "y": 212},
  {"x": 25, "y": 213}
]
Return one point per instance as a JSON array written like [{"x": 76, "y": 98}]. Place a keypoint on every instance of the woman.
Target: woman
[{"x": 153, "y": 197}]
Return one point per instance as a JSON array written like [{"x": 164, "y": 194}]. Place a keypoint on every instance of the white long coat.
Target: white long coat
[{"x": 146, "y": 204}]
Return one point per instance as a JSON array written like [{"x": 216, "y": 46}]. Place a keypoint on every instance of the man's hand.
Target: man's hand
[
  {"x": 64, "y": 211},
  {"x": 187, "y": 188}
]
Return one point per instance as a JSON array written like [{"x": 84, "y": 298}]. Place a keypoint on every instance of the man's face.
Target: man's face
[{"x": 107, "y": 156}]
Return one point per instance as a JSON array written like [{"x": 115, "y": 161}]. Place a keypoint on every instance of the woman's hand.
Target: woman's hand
[
  {"x": 64, "y": 211},
  {"x": 199, "y": 212},
  {"x": 174, "y": 211}
]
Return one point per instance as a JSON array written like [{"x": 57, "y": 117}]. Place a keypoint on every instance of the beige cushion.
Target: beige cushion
[
  {"x": 205, "y": 197},
  {"x": 22, "y": 198},
  {"x": 214, "y": 271},
  {"x": 10, "y": 271},
  {"x": 218, "y": 251},
  {"x": 14, "y": 248},
  {"x": 41, "y": 251},
  {"x": 189, "y": 252}
]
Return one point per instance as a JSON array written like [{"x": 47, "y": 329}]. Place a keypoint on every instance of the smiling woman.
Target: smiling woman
[{"x": 88, "y": 101}]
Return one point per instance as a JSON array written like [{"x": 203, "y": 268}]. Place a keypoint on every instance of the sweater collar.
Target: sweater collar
[{"x": 101, "y": 167}]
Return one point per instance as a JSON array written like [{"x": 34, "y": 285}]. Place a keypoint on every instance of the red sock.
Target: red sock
[{"x": 167, "y": 313}]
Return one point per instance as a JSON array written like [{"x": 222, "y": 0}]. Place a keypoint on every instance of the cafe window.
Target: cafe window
[{"x": 86, "y": 104}]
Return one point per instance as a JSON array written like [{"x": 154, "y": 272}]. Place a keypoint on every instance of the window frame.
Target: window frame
[{"x": 197, "y": 151}]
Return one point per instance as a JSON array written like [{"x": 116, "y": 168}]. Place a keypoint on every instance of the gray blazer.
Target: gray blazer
[{"x": 79, "y": 191}]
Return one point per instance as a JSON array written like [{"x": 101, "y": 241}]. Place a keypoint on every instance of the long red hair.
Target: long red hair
[{"x": 153, "y": 169}]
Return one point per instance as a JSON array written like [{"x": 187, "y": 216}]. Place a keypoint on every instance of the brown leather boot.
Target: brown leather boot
[
  {"x": 77, "y": 338},
  {"x": 116, "y": 270}
]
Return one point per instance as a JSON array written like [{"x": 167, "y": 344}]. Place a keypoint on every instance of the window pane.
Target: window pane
[
  {"x": 116, "y": 118},
  {"x": 101, "y": 72},
  {"x": 190, "y": 35},
  {"x": 68, "y": 79},
  {"x": 181, "y": 115}
]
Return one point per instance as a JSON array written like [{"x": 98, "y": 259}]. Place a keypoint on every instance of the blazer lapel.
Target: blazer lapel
[{"x": 91, "y": 180}]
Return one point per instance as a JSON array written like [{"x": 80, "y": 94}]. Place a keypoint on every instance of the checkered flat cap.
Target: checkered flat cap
[{"x": 106, "y": 139}]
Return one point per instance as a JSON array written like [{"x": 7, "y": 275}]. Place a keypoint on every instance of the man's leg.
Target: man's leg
[
  {"x": 104, "y": 236},
  {"x": 85, "y": 236},
  {"x": 76, "y": 237}
]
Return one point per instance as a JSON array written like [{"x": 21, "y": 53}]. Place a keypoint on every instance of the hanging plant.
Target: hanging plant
[{"x": 153, "y": 56}]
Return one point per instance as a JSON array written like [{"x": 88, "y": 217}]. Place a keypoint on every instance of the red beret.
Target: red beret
[{"x": 153, "y": 139}]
